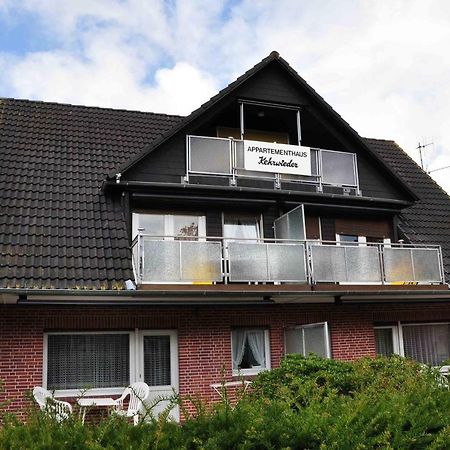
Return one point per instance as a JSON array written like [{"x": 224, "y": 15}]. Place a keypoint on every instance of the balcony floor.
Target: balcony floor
[{"x": 277, "y": 288}]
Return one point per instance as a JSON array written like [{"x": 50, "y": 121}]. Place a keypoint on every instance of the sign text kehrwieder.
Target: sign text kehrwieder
[{"x": 277, "y": 158}]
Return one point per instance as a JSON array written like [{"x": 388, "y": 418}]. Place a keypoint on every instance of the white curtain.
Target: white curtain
[
  {"x": 239, "y": 340},
  {"x": 256, "y": 342},
  {"x": 428, "y": 344},
  {"x": 241, "y": 228}
]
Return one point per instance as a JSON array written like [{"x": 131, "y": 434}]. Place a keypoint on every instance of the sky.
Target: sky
[{"x": 384, "y": 66}]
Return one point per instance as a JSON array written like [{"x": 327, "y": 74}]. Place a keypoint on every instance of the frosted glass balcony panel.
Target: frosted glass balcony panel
[
  {"x": 161, "y": 261},
  {"x": 210, "y": 155},
  {"x": 426, "y": 264},
  {"x": 398, "y": 266},
  {"x": 328, "y": 263},
  {"x": 287, "y": 262},
  {"x": 338, "y": 168},
  {"x": 201, "y": 261},
  {"x": 247, "y": 261},
  {"x": 363, "y": 264}
]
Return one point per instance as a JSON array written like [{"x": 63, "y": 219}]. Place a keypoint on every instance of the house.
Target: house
[{"x": 183, "y": 251}]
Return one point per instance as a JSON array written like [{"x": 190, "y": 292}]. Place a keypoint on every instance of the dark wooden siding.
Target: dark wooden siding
[
  {"x": 312, "y": 224},
  {"x": 328, "y": 228},
  {"x": 379, "y": 228},
  {"x": 272, "y": 85}
]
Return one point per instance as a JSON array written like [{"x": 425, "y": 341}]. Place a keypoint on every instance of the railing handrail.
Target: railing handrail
[{"x": 203, "y": 238}]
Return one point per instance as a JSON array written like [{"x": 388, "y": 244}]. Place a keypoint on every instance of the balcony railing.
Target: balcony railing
[
  {"x": 208, "y": 260},
  {"x": 222, "y": 157}
]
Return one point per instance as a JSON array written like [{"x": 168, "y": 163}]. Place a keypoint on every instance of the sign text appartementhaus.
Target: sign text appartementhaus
[{"x": 277, "y": 158}]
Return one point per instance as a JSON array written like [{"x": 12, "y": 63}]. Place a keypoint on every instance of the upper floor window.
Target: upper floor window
[
  {"x": 242, "y": 226},
  {"x": 169, "y": 225}
]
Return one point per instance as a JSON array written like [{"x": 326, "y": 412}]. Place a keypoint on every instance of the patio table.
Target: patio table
[{"x": 86, "y": 402}]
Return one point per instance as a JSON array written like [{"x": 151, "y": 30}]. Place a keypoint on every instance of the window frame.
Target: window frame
[
  {"x": 173, "y": 357},
  {"x": 253, "y": 370},
  {"x": 397, "y": 334},
  {"x": 311, "y": 325},
  {"x": 135, "y": 362},
  {"x": 259, "y": 221},
  {"x": 361, "y": 240},
  {"x": 168, "y": 223}
]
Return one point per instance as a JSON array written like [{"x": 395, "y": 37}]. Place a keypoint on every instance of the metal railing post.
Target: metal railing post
[
  {"x": 141, "y": 259},
  {"x": 381, "y": 263},
  {"x": 412, "y": 265},
  {"x": 233, "y": 161}
]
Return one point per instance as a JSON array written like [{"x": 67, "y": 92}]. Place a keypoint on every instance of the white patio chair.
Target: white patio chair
[
  {"x": 55, "y": 408},
  {"x": 138, "y": 393}
]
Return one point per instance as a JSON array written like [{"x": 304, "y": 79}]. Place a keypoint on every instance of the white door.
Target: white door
[{"x": 158, "y": 367}]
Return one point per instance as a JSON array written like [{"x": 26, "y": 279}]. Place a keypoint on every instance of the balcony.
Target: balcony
[
  {"x": 225, "y": 158},
  {"x": 215, "y": 260}
]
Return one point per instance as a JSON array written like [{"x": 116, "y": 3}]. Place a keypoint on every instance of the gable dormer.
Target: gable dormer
[{"x": 268, "y": 130}]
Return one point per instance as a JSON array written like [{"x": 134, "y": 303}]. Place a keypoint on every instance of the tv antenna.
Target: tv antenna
[
  {"x": 420, "y": 147},
  {"x": 440, "y": 168}
]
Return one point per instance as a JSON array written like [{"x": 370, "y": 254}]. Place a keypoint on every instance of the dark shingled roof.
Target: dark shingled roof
[
  {"x": 57, "y": 228},
  {"x": 428, "y": 220}
]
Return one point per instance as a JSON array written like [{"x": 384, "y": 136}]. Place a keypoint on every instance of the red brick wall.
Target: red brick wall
[{"x": 204, "y": 335}]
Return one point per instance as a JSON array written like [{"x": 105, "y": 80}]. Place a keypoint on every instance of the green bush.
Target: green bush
[{"x": 307, "y": 403}]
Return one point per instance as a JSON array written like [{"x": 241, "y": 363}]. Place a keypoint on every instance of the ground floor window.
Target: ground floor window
[
  {"x": 306, "y": 339},
  {"x": 250, "y": 351},
  {"x": 428, "y": 343},
  {"x": 75, "y": 361},
  {"x": 107, "y": 362}
]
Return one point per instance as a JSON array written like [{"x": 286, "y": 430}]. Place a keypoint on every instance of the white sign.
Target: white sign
[{"x": 277, "y": 158}]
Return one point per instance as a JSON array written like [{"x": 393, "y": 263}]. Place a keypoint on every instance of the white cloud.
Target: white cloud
[
  {"x": 113, "y": 80},
  {"x": 382, "y": 65}
]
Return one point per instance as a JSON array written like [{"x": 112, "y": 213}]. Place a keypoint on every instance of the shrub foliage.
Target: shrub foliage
[{"x": 307, "y": 403}]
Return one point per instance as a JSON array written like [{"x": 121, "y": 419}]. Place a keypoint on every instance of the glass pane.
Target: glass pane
[
  {"x": 210, "y": 155},
  {"x": 291, "y": 225},
  {"x": 157, "y": 360},
  {"x": 398, "y": 264},
  {"x": 315, "y": 341},
  {"x": 314, "y": 164},
  {"x": 328, "y": 263},
  {"x": 348, "y": 238},
  {"x": 384, "y": 342},
  {"x": 286, "y": 262},
  {"x": 83, "y": 361},
  {"x": 153, "y": 224},
  {"x": 428, "y": 344},
  {"x": 249, "y": 349},
  {"x": 338, "y": 168},
  {"x": 248, "y": 261},
  {"x": 201, "y": 261},
  {"x": 240, "y": 155},
  {"x": 363, "y": 264},
  {"x": 241, "y": 227},
  {"x": 426, "y": 265},
  {"x": 294, "y": 341},
  {"x": 281, "y": 227},
  {"x": 184, "y": 226},
  {"x": 161, "y": 262}
]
